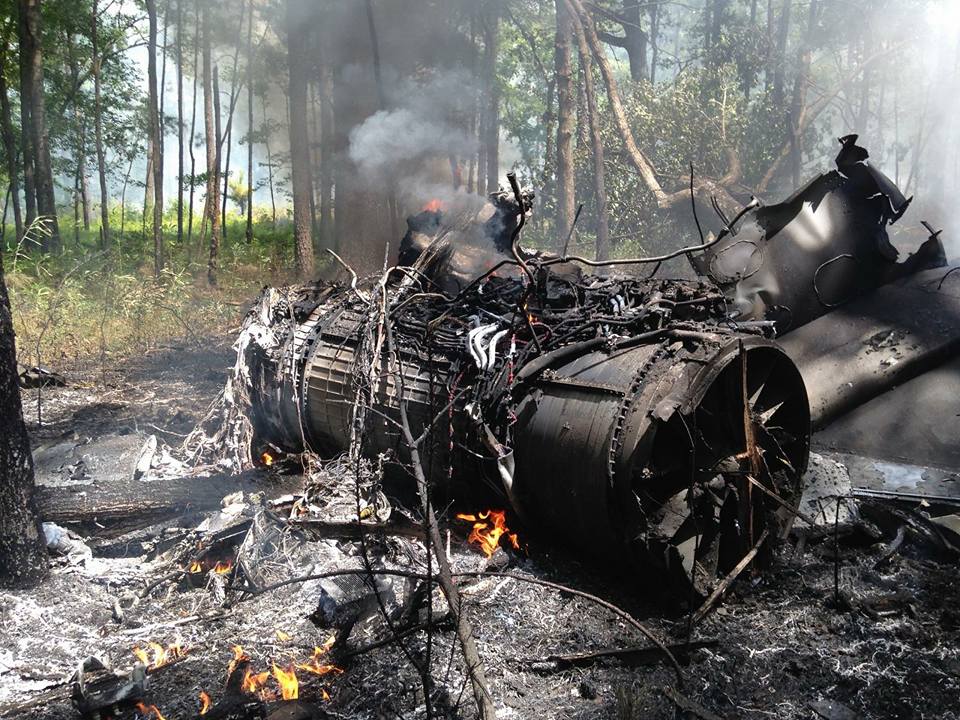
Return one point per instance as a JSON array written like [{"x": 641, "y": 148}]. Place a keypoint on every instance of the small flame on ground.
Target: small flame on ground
[
  {"x": 316, "y": 665},
  {"x": 253, "y": 682},
  {"x": 149, "y": 712},
  {"x": 266, "y": 458},
  {"x": 238, "y": 656},
  {"x": 222, "y": 567},
  {"x": 204, "y": 702},
  {"x": 156, "y": 655},
  {"x": 287, "y": 680},
  {"x": 488, "y": 527},
  {"x": 435, "y": 205}
]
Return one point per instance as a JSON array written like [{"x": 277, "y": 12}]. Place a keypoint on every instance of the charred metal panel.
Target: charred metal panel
[
  {"x": 917, "y": 423},
  {"x": 821, "y": 248},
  {"x": 877, "y": 341}
]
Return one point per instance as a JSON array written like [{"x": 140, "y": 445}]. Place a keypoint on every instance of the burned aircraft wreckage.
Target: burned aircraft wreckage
[{"x": 634, "y": 417}]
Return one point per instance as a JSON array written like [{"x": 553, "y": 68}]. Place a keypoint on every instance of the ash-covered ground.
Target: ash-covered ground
[{"x": 780, "y": 645}]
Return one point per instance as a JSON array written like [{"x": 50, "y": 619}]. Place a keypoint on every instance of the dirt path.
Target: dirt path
[{"x": 164, "y": 391}]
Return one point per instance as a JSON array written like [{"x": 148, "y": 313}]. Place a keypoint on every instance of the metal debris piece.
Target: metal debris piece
[
  {"x": 600, "y": 402},
  {"x": 844, "y": 356},
  {"x": 97, "y": 689},
  {"x": 825, "y": 245}
]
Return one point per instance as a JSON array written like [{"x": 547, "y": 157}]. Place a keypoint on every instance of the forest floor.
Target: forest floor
[{"x": 778, "y": 646}]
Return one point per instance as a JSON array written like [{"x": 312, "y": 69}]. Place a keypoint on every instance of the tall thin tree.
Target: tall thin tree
[
  {"x": 153, "y": 120},
  {"x": 298, "y": 43},
  {"x": 492, "y": 106},
  {"x": 197, "y": 72},
  {"x": 249, "y": 231},
  {"x": 9, "y": 140},
  {"x": 180, "y": 160},
  {"x": 596, "y": 142},
  {"x": 26, "y": 104},
  {"x": 565, "y": 124},
  {"x": 31, "y": 56},
  {"x": 97, "y": 61},
  {"x": 212, "y": 206},
  {"x": 235, "y": 86}
]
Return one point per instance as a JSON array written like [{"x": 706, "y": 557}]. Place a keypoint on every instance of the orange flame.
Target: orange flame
[
  {"x": 238, "y": 656},
  {"x": 287, "y": 679},
  {"x": 315, "y": 665},
  {"x": 266, "y": 458},
  {"x": 435, "y": 205},
  {"x": 222, "y": 568},
  {"x": 254, "y": 682},
  {"x": 204, "y": 702},
  {"x": 488, "y": 527},
  {"x": 157, "y": 655},
  {"x": 196, "y": 567},
  {"x": 149, "y": 711}
]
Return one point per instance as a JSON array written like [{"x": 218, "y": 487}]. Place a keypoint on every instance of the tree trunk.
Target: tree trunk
[
  {"x": 31, "y": 56},
  {"x": 148, "y": 194},
  {"x": 780, "y": 61},
  {"x": 22, "y": 548},
  {"x": 315, "y": 134},
  {"x": 565, "y": 106},
  {"x": 82, "y": 177},
  {"x": 26, "y": 103},
  {"x": 98, "y": 128},
  {"x": 266, "y": 146},
  {"x": 298, "y": 42},
  {"x": 180, "y": 161},
  {"x": 249, "y": 231},
  {"x": 799, "y": 100},
  {"x": 654, "y": 41},
  {"x": 212, "y": 206},
  {"x": 228, "y": 136},
  {"x": 599, "y": 181},
  {"x": 122, "y": 505},
  {"x": 327, "y": 239},
  {"x": 9, "y": 142},
  {"x": 492, "y": 109},
  {"x": 718, "y": 16},
  {"x": 635, "y": 40},
  {"x": 153, "y": 120},
  {"x": 80, "y": 120},
  {"x": 193, "y": 124}
]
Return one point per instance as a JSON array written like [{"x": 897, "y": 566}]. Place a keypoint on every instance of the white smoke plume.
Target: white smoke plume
[{"x": 409, "y": 146}]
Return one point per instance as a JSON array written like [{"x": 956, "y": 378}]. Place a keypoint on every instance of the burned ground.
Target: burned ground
[{"x": 777, "y": 647}]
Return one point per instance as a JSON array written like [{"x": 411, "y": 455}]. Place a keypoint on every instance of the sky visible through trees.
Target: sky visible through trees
[{"x": 331, "y": 120}]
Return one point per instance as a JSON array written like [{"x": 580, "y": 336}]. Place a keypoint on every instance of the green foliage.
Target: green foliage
[{"x": 92, "y": 304}]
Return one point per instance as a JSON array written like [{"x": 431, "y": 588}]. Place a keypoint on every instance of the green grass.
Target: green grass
[{"x": 91, "y": 304}]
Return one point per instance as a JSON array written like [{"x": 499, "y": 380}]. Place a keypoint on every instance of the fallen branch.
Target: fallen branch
[
  {"x": 449, "y": 588},
  {"x": 633, "y": 655},
  {"x": 130, "y": 504},
  {"x": 690, "y": 706},
  {"x": 727, "y": 581}
]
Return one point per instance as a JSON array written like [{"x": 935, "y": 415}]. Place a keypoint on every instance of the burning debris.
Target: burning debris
[{"x": 620, "y": 411}]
